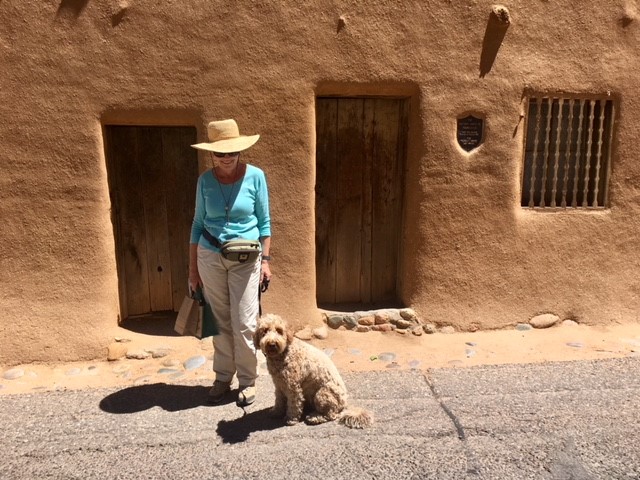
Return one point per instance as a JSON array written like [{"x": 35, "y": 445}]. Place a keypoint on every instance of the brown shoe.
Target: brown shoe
[
  {"x": 218, "y": 391},
  {"x": 246, "y": 395}
]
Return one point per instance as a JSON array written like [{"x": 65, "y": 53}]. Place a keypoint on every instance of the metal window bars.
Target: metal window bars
[{"x": 567, "y": 152}]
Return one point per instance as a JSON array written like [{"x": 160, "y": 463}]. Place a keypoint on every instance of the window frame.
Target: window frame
[{"x": 574, "y": 172}]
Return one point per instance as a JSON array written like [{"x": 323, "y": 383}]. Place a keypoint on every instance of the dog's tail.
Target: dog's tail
[{"x": 355, "y": 417}]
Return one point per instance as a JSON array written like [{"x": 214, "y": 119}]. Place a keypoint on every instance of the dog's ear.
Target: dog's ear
[{"x": 289, "y": 333}]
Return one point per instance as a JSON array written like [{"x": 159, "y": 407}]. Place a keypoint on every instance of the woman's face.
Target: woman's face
[{"x": 226, "y": 161}]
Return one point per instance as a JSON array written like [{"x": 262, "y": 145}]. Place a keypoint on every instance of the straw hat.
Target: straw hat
[{"x": 225, "y": 137}]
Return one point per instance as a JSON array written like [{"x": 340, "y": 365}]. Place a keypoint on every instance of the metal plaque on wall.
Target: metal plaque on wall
[{"x": 470, "y": 132}]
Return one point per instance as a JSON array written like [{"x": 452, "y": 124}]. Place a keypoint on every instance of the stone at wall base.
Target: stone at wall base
[
  {"x": 304, "y": 334},
  {"x": 116, "y": 351},
  {"x": 321, "y": 332},
  {"x": 545, "y": 320}
]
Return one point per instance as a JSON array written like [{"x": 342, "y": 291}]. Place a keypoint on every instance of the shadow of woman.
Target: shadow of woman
[
  {"x": 239, "y": 429},
  {"x": 171, "y": 398}
]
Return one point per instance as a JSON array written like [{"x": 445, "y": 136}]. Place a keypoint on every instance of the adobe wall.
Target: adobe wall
[{"x": 472, "y": 257}]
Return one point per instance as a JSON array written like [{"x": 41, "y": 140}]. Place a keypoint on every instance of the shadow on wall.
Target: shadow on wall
[
  {"x": 499, "y": 21},
  {"x": 155, "y": 324},
  {"x": 71, "y": 8}
]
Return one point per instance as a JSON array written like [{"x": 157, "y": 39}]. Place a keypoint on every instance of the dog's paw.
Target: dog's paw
[
  {"x": 292, "y": 421},
  {"x": 316, "y": 419}
]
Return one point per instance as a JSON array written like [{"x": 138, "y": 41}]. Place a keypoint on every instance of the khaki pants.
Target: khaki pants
[{"x": 231, "y": 288}]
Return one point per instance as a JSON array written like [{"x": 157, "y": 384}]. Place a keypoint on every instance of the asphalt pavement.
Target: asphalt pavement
[{"x": 563, "y": 420}]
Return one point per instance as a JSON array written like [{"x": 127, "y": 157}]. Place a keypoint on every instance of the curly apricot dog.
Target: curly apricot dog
[{"x": 304, "y": 375}]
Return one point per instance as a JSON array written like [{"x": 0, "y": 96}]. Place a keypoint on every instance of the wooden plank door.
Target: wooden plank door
[
  {"x": 152, "y": 177},
  {"x": 359, "y": 189}
]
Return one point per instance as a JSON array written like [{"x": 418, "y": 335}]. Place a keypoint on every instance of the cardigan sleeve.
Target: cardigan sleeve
[
  {"x": 197, "y": 226},
  {"x": 262, "y": 207}
]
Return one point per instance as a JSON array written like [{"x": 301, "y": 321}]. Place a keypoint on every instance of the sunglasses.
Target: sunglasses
[{"x": 222, "y": 155}]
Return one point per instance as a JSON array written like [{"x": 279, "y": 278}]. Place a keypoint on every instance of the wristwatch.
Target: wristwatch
[{"x": 266, "y": 257}]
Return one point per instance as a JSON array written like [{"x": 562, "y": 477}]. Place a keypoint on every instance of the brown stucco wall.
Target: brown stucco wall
[{"x": 472, "y": 257}]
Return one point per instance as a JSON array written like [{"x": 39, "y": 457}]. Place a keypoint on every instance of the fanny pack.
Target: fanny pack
[{"x": 239, "y": 250}]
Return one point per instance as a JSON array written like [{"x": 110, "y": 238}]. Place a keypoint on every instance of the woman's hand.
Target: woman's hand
[
  {"x": 194, "y": 279},
  {"x": 194, "y": 276},
  {"x": 266, "y": 271}
]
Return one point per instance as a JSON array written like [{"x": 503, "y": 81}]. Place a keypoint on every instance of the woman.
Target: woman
[{"x": 232, "y": 202}]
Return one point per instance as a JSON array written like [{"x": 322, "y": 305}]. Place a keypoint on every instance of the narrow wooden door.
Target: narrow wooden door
[
  {"x": 360, "y": 156},
  {"x": 152, "y": 178}
]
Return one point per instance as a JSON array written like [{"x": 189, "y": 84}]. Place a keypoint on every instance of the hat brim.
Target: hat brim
[{"x": 229, "y": 145}]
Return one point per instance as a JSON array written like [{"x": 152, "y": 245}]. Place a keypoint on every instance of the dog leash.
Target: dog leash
[{"x": 261, "y": 289}]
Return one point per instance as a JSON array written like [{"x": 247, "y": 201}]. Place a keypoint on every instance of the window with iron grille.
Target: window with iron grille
[{"x": 567, "y": 152}]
